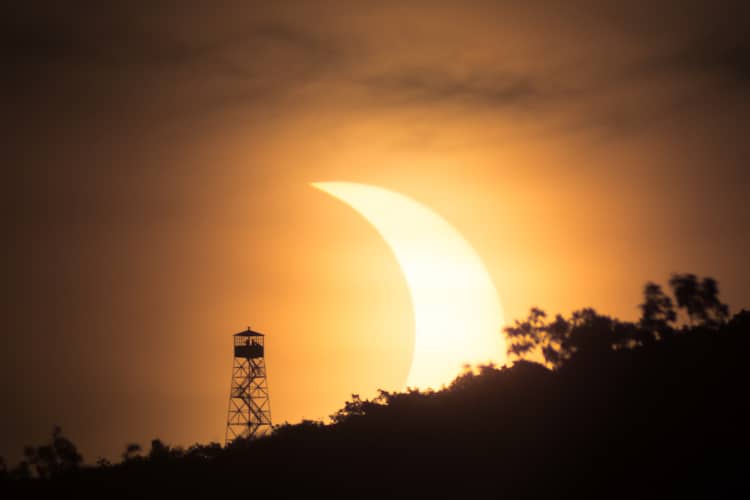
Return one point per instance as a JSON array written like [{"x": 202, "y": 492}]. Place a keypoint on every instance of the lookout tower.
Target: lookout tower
[{"x": 249, "y": 406}]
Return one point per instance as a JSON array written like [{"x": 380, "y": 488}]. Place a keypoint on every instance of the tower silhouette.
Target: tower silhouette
[{"x": 249, "y": 407}]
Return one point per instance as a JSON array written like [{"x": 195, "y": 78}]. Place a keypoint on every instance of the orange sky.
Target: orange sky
[{"x": 159, "y": 196}]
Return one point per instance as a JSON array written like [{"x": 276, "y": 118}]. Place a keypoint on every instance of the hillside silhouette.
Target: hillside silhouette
[{"x": 609, "y": 409}]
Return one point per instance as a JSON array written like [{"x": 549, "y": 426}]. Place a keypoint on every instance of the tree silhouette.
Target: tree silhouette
[
  {"x": 58, "y": 457},
  {"x": 590, "y": 334},
  {"x": 740, "y": 320},
  {"x": 159, "y": 451},
  {"x": 687, "y": 292},
  {"x": 131, "y": 451},
  {"x": 700, "y": 299},
  {"x": 714, "y": 311},
  {"x": 535, "y": 337},
  {"x": 584, "y": 333},
  {"x": 587, "y": 333},
  {"x": 657, "y": 313},
  {"x": 204, "y": 452},
  {"x": 66, "y": 452},
  {"x": 163, "y": 452},
  {"x": 357, "y": 407}
]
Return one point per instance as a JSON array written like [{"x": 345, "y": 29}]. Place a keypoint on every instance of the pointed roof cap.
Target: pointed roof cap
[{"x": 248, "y": 333}]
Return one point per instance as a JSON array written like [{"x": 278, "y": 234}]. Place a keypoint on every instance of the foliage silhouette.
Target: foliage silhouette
[
  {"x": 58, "y": 457},
  {"x": 616, "y": 410},
  {"x": 700, "y": 299},
  {"x": 585, "y": 333},
  {"x": 657, "y": 314},
  {"x": 132, "y": 451}
]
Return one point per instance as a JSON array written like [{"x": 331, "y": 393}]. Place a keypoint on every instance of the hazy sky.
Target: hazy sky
[{"x": 156, "y": 162}]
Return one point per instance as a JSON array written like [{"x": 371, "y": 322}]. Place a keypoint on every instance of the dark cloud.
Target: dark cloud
[
  {"x": 726, "y": 59},
  {"x": 144, "y": 43},
  {"x": 244, "y": 54},
  {"x": 430, "y": 86}
]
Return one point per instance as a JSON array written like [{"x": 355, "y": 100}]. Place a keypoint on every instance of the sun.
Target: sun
[{"x": 457, "y": 311}]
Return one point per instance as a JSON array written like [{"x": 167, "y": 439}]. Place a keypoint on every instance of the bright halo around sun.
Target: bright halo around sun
[{"x": 457, "y": 312}]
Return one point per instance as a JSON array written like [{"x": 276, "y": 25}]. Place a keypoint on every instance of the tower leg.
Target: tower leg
[{"x": 249, "y": 414}]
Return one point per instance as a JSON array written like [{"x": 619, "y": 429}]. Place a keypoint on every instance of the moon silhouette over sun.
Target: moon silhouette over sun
[{"x": 457, "y": 312}]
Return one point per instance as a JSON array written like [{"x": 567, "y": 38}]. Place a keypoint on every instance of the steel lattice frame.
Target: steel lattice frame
[{"x": 249, "y": 406}]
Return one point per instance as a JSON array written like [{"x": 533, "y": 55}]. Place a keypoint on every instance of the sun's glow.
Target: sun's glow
[{"x": 457, "y": 311}]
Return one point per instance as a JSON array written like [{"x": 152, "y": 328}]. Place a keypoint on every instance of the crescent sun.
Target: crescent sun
[{"x": 457, "y": 311}]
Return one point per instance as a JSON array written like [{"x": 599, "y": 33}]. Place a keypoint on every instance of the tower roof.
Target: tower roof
[{"x": 248, "y": 333}]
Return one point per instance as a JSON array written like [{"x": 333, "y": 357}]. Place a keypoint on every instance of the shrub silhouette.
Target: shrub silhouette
[{"x": 58, "y": 457}]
